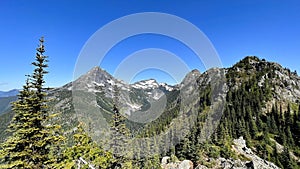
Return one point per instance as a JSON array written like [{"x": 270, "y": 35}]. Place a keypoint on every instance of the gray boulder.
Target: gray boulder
[{"x": 186, "y": 164}]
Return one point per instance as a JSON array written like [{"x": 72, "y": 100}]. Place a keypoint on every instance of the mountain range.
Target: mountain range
[{"x": 220, "y": 105}]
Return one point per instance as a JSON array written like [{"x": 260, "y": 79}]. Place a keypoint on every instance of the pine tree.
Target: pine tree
[
  {"x": 120, "y": 134},
  {"x": 288, "y": 116},
  {"x": 298, "y": 113},
  {"x": 285, "y": 159},
  {"x": 32, "y": 139},
  {"x": 296, "y": 127},
  {"x": 289, "y": 137},
  {"x": 276, "y": 156},
  {"x": 12, "y": 153}
]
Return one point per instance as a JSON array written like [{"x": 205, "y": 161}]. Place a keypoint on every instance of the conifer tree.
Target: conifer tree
[
  {"x": 297, "y": 127},
  {"x": 289, "y": 137},
  {"x": 298, "y": 113},
  {"x": 32, "y": 138},
  {"x": 288, "y": 116},
  {"x": 120, "y": 134},
  {"x": 12, "y": 153},
  {"x": 286, "y": 160}
]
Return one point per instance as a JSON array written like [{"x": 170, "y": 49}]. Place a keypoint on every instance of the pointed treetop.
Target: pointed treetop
[
  {"x": 41, "y": 45},
  {"x": 42, "y": 39}
]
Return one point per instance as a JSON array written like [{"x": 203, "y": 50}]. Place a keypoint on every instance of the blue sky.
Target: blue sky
[{"x": 269, "y": 29}]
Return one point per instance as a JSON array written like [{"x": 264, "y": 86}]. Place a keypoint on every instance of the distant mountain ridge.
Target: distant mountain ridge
[
  {"x": 9, "y": 93},
  {"x": 6, "y": 97},
  {"x": 5, "y": 103}
]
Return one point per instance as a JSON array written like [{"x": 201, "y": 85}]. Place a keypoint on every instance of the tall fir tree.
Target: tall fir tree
[
  {"x": 13, "y": 153},
  {"x": 32, "y": 138},
  {"x": 120, "y": 135}
]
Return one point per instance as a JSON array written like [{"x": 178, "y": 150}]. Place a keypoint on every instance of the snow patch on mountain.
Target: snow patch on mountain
[
  {"x": 99, "y": 84},
  {"x": 146, "y": 84},
  {"x": 152, "y": 84},
  {"x": 157, "y": 95},
  {"x": 167, "y": 87}
]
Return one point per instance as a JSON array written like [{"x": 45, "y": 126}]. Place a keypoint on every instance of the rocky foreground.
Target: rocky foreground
[{"x": 239, "y": 147}]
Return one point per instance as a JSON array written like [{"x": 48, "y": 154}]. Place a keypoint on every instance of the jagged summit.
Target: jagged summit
[
  {"x": 190, "y": 77},
  {"x": 252, "y": 64}
]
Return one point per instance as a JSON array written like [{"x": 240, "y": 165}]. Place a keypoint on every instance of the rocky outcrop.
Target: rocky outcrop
[
  {"x": 240, "y": 148},
  {"x": 165, "y": 161},
  {"x": 185, "y": 164},
  {"x": 228, "y": 164},
  {"x": 258, "y": 163}
]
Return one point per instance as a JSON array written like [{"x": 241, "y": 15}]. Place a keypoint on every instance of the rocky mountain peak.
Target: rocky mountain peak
[
  {"x": 98, "y": 74},
  {"x": 191, "y": 76},
  {"x": 95, "y": 79},
  {"x": 194, "y": 72},
  {"x": 252, "y": 64}
]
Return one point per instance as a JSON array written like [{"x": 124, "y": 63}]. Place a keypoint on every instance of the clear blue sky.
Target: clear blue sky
[{"x": 269, "y": 29}]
